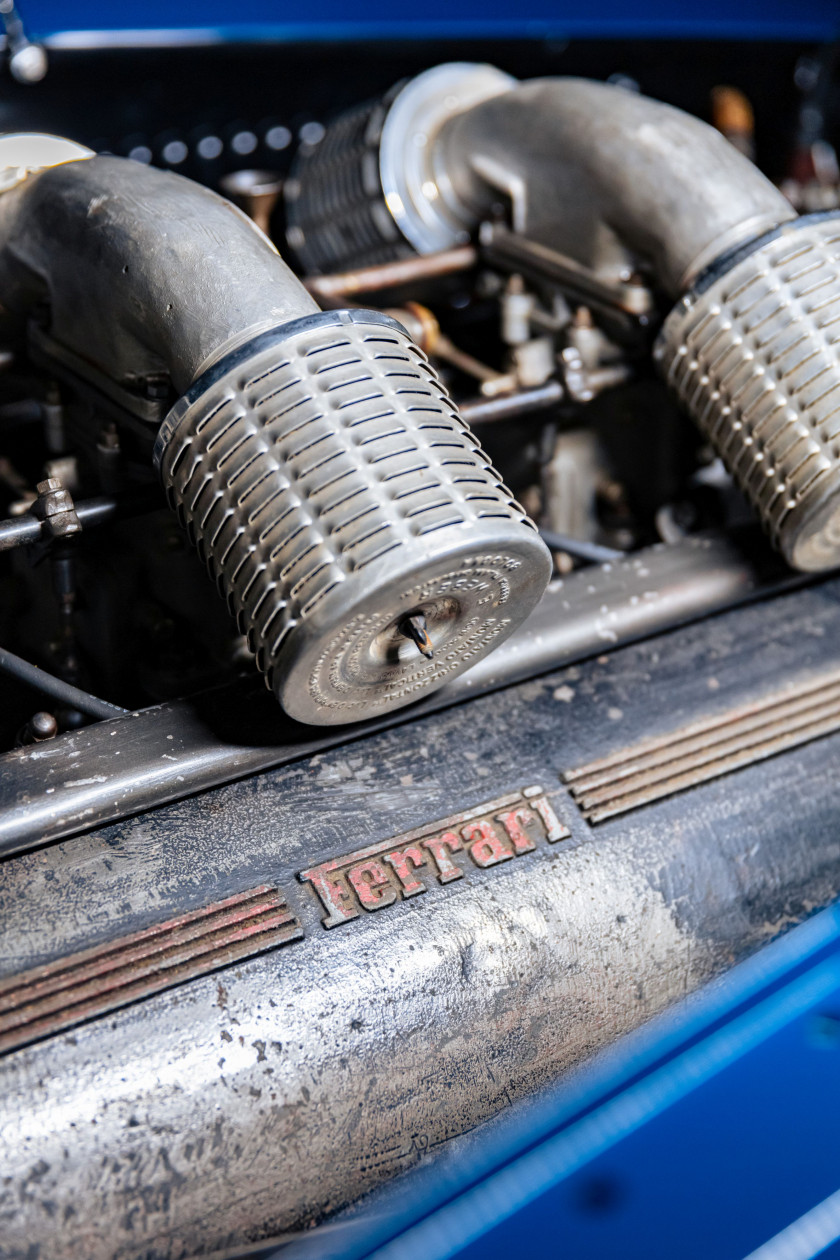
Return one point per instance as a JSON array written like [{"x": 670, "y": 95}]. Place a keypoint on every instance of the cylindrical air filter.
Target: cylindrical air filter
[
  {"x": 358, "y": 532},
  {"x": 335, "y": 206},
  {"x": 364, "y": 194},
  {"x": 753, "y": 353}
]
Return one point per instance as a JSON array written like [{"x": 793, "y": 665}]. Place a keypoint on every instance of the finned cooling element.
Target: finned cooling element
[
  {"x": 753, "y": 353},
  {"x": 345, "y": 512}
]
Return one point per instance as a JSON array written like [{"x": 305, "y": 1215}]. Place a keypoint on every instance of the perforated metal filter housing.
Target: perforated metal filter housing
[
  {"x": 753, "y": 353},
  {"x": 335, "y": 205},
  {"x": 331, "y": 489},
  {"x": 361, "y": 195}
]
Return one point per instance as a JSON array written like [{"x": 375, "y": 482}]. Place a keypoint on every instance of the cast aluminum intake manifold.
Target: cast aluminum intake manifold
[
  {"x": 613, "y": 180},
  {"x": 349, "y": 517}
]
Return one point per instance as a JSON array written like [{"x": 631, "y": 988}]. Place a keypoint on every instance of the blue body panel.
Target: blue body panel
[{"x": 216, "y": 20}]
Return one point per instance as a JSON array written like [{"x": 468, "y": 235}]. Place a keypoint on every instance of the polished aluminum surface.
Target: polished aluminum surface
[
  {"x": 263, "y": 1097},
  {"x": 754, "y": 357},
  {"x": 415, "y": 196},
  {"x": 333, "y": 492},
  {"x": 107, "y": 771}
]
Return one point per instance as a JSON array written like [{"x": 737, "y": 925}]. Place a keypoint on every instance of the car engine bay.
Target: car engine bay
[{"x": 495, "y": 386}]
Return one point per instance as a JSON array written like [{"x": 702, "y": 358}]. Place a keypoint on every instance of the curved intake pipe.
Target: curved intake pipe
[
  {"x": 617, "y": 181},
  {"x": 358, "y": 532}
]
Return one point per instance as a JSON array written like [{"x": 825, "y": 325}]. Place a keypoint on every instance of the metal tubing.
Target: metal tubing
[
  {"x": 580, "y": 548},
  {"x": 331, "y": 288},
  {"x": 144, "y": 271},
  {"x": 26, "y": 530},
  {"x": 59, "y": 690},
  {"x": 528, "y": 401},
  {"x": 25, "y": 411},
  {"x": 596, "y": 609},
  {"x": 592, "y": 169},
  {"x": 20, "y": 531}
]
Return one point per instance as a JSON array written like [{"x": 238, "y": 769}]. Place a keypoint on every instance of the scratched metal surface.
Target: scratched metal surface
[
  {"x": 273, "y": 1092},
  {"x": 91, "y": 777}
]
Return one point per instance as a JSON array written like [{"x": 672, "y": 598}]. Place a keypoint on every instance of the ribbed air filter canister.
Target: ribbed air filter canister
[
  {"x": 366, "y": 193},
  {"x": 335, "y": 204},
  {"x": 333, "y": 492},
  {"x": 753, "y": 353}
]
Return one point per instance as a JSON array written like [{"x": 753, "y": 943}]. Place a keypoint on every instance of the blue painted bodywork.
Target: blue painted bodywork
[{"x": 217, "y": 20}]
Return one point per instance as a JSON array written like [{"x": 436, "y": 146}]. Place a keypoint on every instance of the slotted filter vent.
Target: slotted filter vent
[
  {"x": 332, "y": 490},
  {"x": 754, "y": 355},
  {"x": 334, "y": 200}
]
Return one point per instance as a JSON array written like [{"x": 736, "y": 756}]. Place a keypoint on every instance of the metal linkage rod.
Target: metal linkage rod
[
  {"x": 511, "y": 406},
  {"x": 59, "y": 690},
  {"x": 594, "y": 553},
  {"x": 391, "y": 275},
  {"x": 26, "y": 530},
  {"x": 20, "y": 531}
]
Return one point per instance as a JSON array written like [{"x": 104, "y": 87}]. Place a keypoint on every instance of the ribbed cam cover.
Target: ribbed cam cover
[
  {"x": 332, "y": 490},
  {"x": 335, "y": 205},
  {"x": 753, "y": 353}
]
